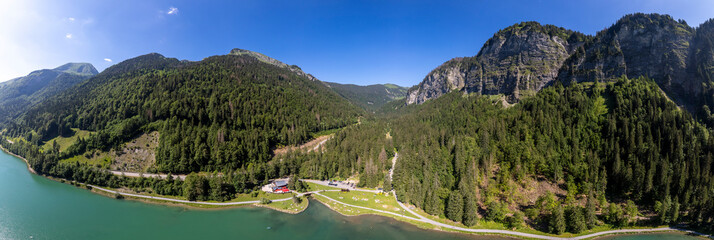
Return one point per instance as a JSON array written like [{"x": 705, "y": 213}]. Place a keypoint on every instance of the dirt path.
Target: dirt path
[
  {"x": 312, "y": 145},
  {"x": 394, "y": 163}
]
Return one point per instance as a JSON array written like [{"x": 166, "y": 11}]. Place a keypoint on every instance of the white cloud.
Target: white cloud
[
  {"x": 107, "y": 60},
  {"x": 172, "y": 11},
  {"x": 71, "y": 19},
  {"x": 68, "y": 36}
]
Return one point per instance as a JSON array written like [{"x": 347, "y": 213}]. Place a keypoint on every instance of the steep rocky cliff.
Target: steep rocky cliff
[
  {"x": 522, "y": 59},
  {"x": 701, "y": 67},
  {"x": 649, "y": 45},
  {"x": 518, "y": 60}
]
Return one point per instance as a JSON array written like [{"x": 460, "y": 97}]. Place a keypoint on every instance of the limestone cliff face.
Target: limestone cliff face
[
  {"x": 522, "y": 59},
  {"x": 518, "y": 60},
  {"x": 637, "y": 45}
]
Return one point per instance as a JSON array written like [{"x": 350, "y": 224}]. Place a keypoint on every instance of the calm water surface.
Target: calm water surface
[{"x": 35, "y": 207}]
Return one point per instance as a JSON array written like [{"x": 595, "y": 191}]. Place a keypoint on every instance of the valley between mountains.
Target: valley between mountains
[{"x": 546, "y": 133}]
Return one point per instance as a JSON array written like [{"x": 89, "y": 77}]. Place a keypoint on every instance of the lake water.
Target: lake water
[{"x": 33, "y": 207}]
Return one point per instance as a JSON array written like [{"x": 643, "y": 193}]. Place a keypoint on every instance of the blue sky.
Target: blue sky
[{"x": 359, "y": 42}]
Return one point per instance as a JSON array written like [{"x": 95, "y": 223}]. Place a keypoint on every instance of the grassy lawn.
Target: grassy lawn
[
  {"x": 317, "y": 187},
  {"x": 350, "y": 211},
  {"x": 289, "y": 205},
  {"x": 272, "y": 196},
  {"x": 65, "y": 142},
  {"x": 102, "y": 161},
  {"x": 346, "y": 210},
  {"x": 370, "y": 200}
]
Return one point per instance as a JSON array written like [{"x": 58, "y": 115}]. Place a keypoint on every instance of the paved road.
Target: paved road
[
  {"x": 642, "y": 230},
  {"x": 186, "y": 201},
  {"x": 340, "y": 185},
  {"x": 148, "y": 175}
]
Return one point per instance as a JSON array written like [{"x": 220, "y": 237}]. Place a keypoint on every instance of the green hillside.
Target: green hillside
[
  {"x": 371, "y": 97},
  {"x": 18, "y": 94},
  {"x": 221, "y": 113},
  {"x": 621, "y": 149}
]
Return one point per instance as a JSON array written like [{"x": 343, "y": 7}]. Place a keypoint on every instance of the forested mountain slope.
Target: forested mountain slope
[
  {"x": 371, "y": 97},
  {"x": 18, "y": 94},
  {"x": 610, "y": 148},
  {"x": 217, "y": 114},
  {"x": 594, "y": 144}
]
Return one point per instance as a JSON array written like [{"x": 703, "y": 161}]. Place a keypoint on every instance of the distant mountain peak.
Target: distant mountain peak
[
  {"x": 263, "y": 58},
  {"x": 517, "y": 61},
  {"x": 19, "y": 94},
  {"x": 78, "y": 68},
  {"x": 259, "y": 56},
  {"x": 370, "y": 97}
]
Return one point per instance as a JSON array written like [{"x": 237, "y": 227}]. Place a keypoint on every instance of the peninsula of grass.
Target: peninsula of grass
[
  {"x": 369, "y": 200},
  {"x": 345, "y": 210},
  {"x": 288, "y": 206}
]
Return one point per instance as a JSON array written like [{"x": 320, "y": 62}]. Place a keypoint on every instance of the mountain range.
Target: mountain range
[
  {"x": 544, "y": 124},
  {"x": 16, "y": 95},
  {"x": 522, "y": 59}
]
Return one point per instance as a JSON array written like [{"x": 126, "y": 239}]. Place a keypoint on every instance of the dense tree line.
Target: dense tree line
[{"x": 623, "y": 140}]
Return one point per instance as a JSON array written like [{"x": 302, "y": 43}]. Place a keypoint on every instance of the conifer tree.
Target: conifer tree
[
  {"x": 455, "y": 207},
  {"x": 557, "y": 221}
]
